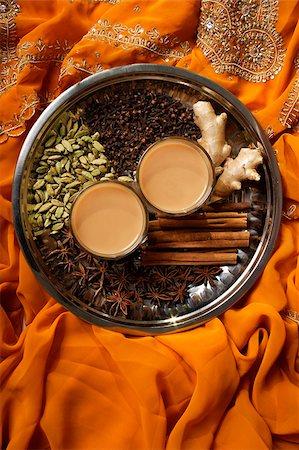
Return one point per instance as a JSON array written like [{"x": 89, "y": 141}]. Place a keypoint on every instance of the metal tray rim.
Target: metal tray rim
[{"x": 191, "y": 319}]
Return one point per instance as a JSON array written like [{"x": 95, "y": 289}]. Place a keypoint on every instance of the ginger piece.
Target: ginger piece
[
  {"x": 212, "y": 129},
  {"x": 243, "y": 167}
]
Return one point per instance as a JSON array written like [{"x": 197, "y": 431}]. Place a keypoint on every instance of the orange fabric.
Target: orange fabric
[{"x": 232, "y": 383}]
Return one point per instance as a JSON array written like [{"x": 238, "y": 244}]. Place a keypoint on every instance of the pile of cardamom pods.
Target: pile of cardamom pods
[{"x": 68, "y": 160}]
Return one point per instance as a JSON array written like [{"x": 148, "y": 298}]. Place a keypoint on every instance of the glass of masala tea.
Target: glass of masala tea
[
  {"x": 176, "y": 176},
  {"x": 109, "y": 219}
]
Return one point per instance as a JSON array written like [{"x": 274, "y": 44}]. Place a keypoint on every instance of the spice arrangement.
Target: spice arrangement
[
  {"x": 70, "y": 159},
  {"x": 103, "y": 140},
  {"x": 203, "y": 238},
  {"x": 137, "y": 117}
]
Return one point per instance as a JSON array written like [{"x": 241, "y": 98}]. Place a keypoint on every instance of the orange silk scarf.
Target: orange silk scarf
[{"x": 232, "y": 383}]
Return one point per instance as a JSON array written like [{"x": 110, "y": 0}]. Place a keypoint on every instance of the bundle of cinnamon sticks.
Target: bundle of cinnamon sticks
[{"x": 208, "y": 237}]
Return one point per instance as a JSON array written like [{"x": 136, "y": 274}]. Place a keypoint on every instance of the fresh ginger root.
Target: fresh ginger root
[
  {"x": 243, "y": 167},
  {"x": 212, "y": 133}
]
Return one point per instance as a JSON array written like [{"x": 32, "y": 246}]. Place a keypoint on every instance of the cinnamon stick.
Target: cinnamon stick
[
  {"x": 154, "y": 225},
  {"x": 238, "y": 206},
  {"x": 205, "y": 215},
  {"x": 151, "y": 258},
  {"x": 219, "y": 243},
  {"x": 194, "y": 235},
  {"x": 203, "y": 222}
]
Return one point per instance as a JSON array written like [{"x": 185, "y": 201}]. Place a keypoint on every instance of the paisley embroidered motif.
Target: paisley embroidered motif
[
  {"x": 150, "y": 40},
  {"x": 239, "y": 37}
]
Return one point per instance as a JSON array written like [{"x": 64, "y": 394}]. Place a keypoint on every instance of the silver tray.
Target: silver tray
[{"x": 212, "y": 295}]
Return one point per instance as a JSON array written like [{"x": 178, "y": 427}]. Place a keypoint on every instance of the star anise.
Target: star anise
[
  {"x": 120, "y": 279},
  {"x": 184, "y": 273},
  {"x": 120, "y": 301},
  {"x": 61, "y": 253},
  {"x": 83, "y": 274},
  {"x": 206, "y": 274},
  {"x": 101, "y": 265},
  {"x": 178, "y": 292},
  {"x": 102, "y": 268},
  {"x": 87, "y": 257},
  {"x": 98, "y": 288},
  {"x": 68, "y": 265},
  {"x": 67, "y": 237},
  {"x": 163, "y": 275},
  {"x": 97, "y": 294},
  {"x": 157, "y": 295},
  {"x": 141, "y": 278}
]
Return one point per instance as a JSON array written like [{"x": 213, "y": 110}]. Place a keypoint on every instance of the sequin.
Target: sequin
[
  {"x": 3, "y": 7},
  {"x": 209, "y": 24}
]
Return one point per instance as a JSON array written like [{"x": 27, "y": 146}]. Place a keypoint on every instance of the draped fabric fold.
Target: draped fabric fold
[{"x": 232, "y": 383}]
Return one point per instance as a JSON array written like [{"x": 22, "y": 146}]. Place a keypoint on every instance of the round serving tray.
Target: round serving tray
[{"x": 209, "y": 291}]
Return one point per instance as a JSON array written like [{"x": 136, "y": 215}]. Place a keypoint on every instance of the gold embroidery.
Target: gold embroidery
[
  {"x": 32, "y": 53},
  {"x": 289, "y": 115},
  {"x": 45, "y": 98},
  {"x": 8, "y": 35},
  {"x": 293, "y": 315},
  {"x": 126, "y": 37},
  {"x": 112, "y": 2},
  {"x": 26, "y": 54},
  {"x": 81, "y": 66},
  {"x": 270, "y": 132},
  {"x": 290, "y": 212},
  {"x": 17, "y": 125},
  {"x": 239, "y": 37}
]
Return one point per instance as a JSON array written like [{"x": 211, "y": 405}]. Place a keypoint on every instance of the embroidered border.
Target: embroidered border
[
  {"x": 28, "y": 53},
  {"x": 289, "y": 115},
  {"x": 112, "y": 2},
  {"x": 56, "y": 52},
  {"x": 239, "y": 37},
  {"x": 126, "y": 37},
  {"x": 8, "y": 35}
]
